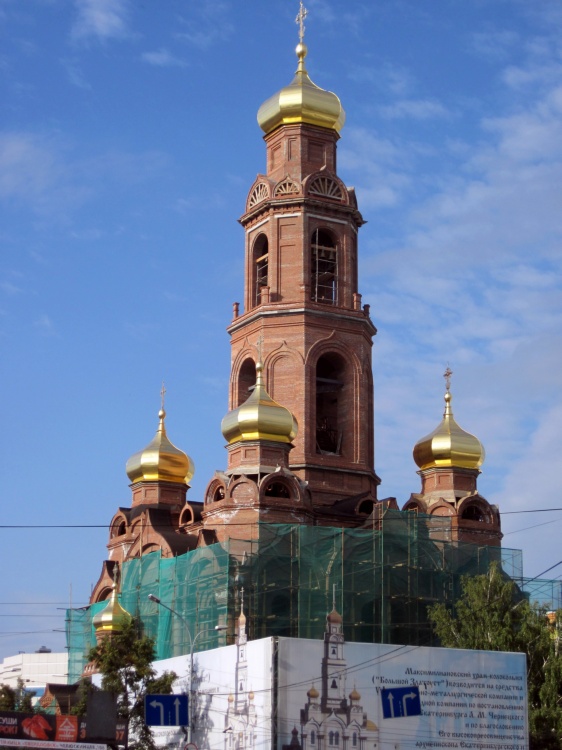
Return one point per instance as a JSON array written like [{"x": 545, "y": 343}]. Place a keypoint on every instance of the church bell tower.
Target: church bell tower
[{"x": 302, "y": 318}]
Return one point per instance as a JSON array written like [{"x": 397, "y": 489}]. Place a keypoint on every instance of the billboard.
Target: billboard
[
  {"x": 20, "y": 729},
  {"x": 231, "y": 706},
  {"x": 331, "y": 695},
  {"x": 334, "y": 695}
]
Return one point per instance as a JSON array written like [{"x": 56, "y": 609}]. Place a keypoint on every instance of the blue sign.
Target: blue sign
[
  {"x": 166, "y": 710},
  {"x": 400, "y": 701}
]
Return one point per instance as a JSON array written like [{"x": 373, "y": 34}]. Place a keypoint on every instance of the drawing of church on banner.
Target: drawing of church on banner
[
  {"x": 241, "y": 719},
  {"x": 332, "y": 721}
]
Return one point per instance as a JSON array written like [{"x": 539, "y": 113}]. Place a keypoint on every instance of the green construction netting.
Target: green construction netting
[{"x": 385, "y": 578}]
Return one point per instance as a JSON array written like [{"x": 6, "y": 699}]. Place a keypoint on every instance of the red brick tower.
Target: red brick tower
[{"x": 301, "y": 299}]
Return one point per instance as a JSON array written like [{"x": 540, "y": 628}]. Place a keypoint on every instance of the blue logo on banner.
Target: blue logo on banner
[
  {"x": 400, "y": 701},
  {"x": 166, "y": 711}
]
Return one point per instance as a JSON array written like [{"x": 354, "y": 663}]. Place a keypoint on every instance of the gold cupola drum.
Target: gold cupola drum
[
  {"x": 302, "y": 101},
  {"x": 112, "y": 618},
  {"x": 449, "y": 445},
  {"x": 160, "y": 461},
  {"x": 259, "y": 418}
]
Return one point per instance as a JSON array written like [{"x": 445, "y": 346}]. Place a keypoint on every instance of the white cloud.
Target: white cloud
[
  {"x": 471, "y": 275},
  {"x": 164, "y": 59},
  {"x": 101, "y": 19},
  {"x": 206, "y": 24},
  {"x": 8, "y": 288},
  {"x": 46, "y": 175},
  {"x": 45, "y": 325},
  {"x": 417, "y": 109},
  {"x": 28, "y": 165}
]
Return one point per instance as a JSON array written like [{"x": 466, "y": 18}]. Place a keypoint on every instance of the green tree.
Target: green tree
[
  {"x": 125, "y": 663},
  {"x": 492, "y": 614},
  {"x": 16, "y": 699}
]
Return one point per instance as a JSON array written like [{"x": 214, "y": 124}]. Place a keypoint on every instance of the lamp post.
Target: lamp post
[{"x": 192, "y": 642}]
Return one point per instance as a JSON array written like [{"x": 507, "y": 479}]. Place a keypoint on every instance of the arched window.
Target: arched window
[
  {"x": 330, "y": 378},
  {"x": 312, "y": 737},
  {"x": 277, "y": 489},
  {"x": 354, "y": 739},
  {"x": 331, "y": 739},
  {"x": 336, "y": 738},
  {"x": 473, "y": 513},
  {"x": 246, "y": 381},
  {"x": 260, "y": 256},
  {"x": 324, "y": 268}
]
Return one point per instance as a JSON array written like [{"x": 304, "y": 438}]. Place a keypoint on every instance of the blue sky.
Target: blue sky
[{"x": 128, "y": 142}]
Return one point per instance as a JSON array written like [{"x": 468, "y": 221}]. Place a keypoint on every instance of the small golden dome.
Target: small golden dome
[
  {"x": 160, "y": 460},
  {"x": 449, "y": 445},
  {"x": 112, "y": 617},
  {"x": 301, "y": 102},
  {"x": 313, "y": 693},
  {"x": 231, "y": 698},
  {"x": 334, "y": 617},
  {"x": 354, "y": 695},
  {"x": 259, "y": 418},
  {"x": 251, "y": 695}
]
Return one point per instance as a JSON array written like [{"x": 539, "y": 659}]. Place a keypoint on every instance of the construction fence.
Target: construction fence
[{"x": 385, "y": 578}]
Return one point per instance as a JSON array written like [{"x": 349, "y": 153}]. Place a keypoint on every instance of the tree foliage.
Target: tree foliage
[
  {"x": 125, "y": 663},
  {"x": 492, "y": 614},
  {"x": 16, "y": 699}
]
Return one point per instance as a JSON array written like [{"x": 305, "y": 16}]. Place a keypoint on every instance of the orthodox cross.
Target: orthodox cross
[
  {"x": 447, "y": 375},
  {"x": 162, "y": 395},
  {"x": 259, "y": 344},
  {"x": 299, "y": 20}
]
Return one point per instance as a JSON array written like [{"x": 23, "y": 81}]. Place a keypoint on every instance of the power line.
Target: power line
[{"x": 157, "y": 526}]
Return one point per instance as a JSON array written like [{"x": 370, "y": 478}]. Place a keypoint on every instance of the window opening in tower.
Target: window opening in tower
[
  {"x": 324, "y": 268},
  {"x": 261, "y": 276},
  {"x": 330, "y": 371},
  {"x": 260, "y": 271}
]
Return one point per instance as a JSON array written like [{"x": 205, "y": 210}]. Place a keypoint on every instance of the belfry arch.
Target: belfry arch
[{"x": 324, "y": 267}]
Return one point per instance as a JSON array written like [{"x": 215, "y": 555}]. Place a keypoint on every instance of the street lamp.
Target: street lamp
[{"x": 192, "y": 642}]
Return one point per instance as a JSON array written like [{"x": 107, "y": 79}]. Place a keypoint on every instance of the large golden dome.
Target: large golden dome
[
  {"x": 112, "y": 617},
  {"x": 160, "y": 460},
  {"x": 259, "y": 418},
  {"x": 301, "y": 102},
  {"x": 449, "y": 445}
]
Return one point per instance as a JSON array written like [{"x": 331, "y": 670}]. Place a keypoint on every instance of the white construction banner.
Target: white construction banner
[
  {"x": 345, "y": 696},
  {"x": 295, "y": 694}
]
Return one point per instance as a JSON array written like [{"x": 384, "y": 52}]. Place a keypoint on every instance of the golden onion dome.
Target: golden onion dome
[
  {"x": 160, "y": 460},
  {"x": 355, "y": 695},
  {"x": 259, "y": 418},
  {"x": 334, "y": 618},
  {"x": 449, "y": 445},
  {"x": 313, "y": 693},
  {"x": 301, "y": 102},
  {"x": 112, "y": 617}
]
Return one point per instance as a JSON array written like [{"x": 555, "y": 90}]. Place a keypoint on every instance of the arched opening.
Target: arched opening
[
  {"x": 330, "y": 381},
  {"x": 246, "y": 381},
  {"x": 366, "y": 507},
  {"x": 260, "y": 255},
  {"x": 218, "y": 494},
  {"x": 119, "y": 527},
  {"x": 324, "y": 268},
  {"x": 474, "y": 513},
  {"x": 277, "y": 489}
]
